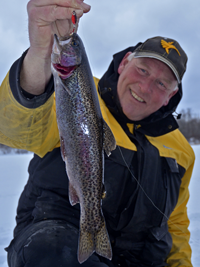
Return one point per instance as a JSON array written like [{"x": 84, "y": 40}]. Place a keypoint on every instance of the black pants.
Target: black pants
[{"x": 49, "y": 244}]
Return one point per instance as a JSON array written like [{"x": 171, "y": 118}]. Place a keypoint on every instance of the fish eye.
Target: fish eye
[{"x": 74, "y": 43}]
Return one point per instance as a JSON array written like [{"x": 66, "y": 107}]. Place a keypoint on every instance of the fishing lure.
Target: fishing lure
[{"x": 74, "y": 20}]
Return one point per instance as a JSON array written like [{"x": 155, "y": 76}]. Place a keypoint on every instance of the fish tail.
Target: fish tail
[
  {"x": 102, "y": 242},
  {"x": 86, "y": 246},
  {"x": 96, "y": 241}
]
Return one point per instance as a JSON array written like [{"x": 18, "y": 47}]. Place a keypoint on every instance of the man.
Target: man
[{"x": 146, "y": 177}]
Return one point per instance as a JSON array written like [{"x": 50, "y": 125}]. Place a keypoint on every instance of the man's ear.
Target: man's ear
[
  {"x": 123, "y": 63},
  {"x": 170, "y": 96}
]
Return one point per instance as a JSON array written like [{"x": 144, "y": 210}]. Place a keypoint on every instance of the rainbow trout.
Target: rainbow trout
[{"x": 84, "y": 137}]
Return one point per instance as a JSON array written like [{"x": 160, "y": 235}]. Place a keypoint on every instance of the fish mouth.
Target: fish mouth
[{"x": 64, "y": 72}]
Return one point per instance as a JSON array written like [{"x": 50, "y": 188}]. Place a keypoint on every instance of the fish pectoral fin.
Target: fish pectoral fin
[
  {"x": 109, "y": 142},
  {"x": 73, "y": 197},
  {"x": 86, "y": 246},
  {"x": 102, "y": 243}
]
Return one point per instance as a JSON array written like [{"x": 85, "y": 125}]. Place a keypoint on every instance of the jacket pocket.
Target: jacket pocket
[
  {"x": 159, "y": 232},
  {"x": 157, "y": 246},
  {"x": 172, "y": 178}
]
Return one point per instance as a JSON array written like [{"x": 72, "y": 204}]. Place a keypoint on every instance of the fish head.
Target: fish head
[{"x": 66, "y": 55}]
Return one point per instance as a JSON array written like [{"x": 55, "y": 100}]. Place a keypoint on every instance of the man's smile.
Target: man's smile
[{"x": 136, "y": 97}]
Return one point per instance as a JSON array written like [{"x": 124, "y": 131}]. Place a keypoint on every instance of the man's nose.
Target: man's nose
[{"x": 146, "y": 85}]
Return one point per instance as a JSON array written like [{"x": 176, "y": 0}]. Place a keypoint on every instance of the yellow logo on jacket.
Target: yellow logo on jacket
[{"x": 169, "y": 45}]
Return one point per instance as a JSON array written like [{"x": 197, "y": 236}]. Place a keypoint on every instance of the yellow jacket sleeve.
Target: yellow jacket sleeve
[
  {"x": 180, "y": 255},
  {"x": 30, "y": 129}
]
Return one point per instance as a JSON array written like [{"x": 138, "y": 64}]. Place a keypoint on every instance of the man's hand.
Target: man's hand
[
  {"x": 46, "y": 17},
  {"x": 42, "y": 17}
]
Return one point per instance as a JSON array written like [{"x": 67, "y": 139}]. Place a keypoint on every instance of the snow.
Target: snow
[
  {"x": 194, "y": 209},
  {"x": 13, "y": 179}
]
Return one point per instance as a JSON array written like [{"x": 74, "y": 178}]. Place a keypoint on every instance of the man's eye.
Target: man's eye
[
  {"x": 142, "y": 70},
  {"x": 161, "y": 85}
]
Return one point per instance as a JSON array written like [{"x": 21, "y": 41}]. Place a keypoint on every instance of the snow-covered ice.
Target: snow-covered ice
[
  {"x": 13, "y": 178},
  {"x": 194, "y": 209}
]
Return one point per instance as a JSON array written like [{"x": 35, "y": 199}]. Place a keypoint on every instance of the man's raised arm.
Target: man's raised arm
[{"x": 46, "y": 17}]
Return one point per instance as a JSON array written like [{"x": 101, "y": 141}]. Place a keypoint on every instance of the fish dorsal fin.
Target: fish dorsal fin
[{"x": 109, "y": 142}]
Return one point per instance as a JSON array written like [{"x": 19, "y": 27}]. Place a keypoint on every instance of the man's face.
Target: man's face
[{"x": 144, "y": 86}]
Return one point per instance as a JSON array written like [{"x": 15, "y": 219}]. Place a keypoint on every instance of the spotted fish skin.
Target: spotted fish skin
[{"x": 84, "y": 136}]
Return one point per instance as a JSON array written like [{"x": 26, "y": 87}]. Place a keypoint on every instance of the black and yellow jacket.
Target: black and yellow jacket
[{"x": 146, "y": 179}]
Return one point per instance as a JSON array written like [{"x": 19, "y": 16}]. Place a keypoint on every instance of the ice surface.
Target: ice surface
[
  {"x": 13, "y": 177},
  {"x": 194, "y": 209}
]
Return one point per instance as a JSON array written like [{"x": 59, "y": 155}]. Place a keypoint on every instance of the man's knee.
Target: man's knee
[{"x": 53, "y": 246}]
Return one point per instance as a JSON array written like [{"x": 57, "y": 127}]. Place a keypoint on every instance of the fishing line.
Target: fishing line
[
  {"x": 146, "y": 193},
  {"x": 143, "y": 188},
  {"x": 58, "y": 33}
]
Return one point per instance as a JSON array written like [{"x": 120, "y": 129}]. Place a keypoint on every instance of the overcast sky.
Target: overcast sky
[{"x": 113, "y": 25}]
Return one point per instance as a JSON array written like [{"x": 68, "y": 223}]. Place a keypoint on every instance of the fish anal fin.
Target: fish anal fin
[
  {"x": 86, "y": 246},
  {"x": 109, "y": 142},
  {"x": 73, "y": 197},
  {"x": 102, "y": 243}
]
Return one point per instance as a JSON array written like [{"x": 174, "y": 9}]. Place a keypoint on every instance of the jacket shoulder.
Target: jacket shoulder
[{"x": 174, "y": 145}]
